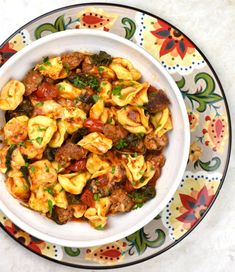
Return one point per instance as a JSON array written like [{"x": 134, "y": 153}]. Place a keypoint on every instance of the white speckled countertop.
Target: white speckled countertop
[{"x": 210, "y": 24}]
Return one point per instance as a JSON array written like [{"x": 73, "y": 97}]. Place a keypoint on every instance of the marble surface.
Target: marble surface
[{"x": 210, "y": 24}]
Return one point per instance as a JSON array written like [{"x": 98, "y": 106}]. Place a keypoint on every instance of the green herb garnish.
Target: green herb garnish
[
  {"x": 110, "y": 120},
  {"x": 42, "y": 68},
  {"x": 117, "y": 90},
  {"x": 100, "y": 227},
  {"x": 32, "y": 169},
  {"x": 39, "y": 140},
  {"x": 101, "y": 69},
  {"x": 135, "y": 154},
  {"x": 113, "y": 169},
  {"x": 46, "y": 61},
  {"x": 121, "y": 144},
  {"x": 50, "y": 206},
  {"x": 96, "y": 197},
  {"x": 49, "y": 190},
  {"x": 95, "y": 97},
  {"x": 137, "y": 206},
  {"x": 47, "y": 168}
]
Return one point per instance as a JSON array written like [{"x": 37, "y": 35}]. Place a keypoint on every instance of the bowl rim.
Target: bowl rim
[{"x": 186, "y": 135}]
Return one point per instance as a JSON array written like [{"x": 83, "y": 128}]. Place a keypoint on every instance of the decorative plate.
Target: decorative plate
[{"x": 209, "y": 122}]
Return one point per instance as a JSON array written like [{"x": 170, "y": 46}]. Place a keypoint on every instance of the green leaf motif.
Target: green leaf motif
[
  {"x": 140, "y": 240},
  {"x": 204, "y": 97},
  {"x": 59, "y": 25},
  {"x": 73, "y": 252},
  {"x": 209, "y": 166},
  {"x": 129, "y": 26}
]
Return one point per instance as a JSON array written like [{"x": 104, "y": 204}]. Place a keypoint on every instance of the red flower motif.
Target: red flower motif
[
  {"x": 195, "y": 207},
  {"x": 5, "y": 53},
  {"x": 173, "y": 39}
]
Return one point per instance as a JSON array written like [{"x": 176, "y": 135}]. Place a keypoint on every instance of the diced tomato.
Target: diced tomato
[
  {"x": 46, "y": 91},
  {"x": 128, "y": 187},
  {"x": 94, "y": 125},
  {"x": 78, "y": 166},
  {"x": 87, "y": 198},
  {"x": 102, "y": 181}
]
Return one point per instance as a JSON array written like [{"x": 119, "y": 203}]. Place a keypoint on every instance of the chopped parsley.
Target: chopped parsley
[
  {"x": 85, "y": 81},
  {"x": 61, "y": 87},
  {"x": 152, "y": 168},
  {"x": 100, "y": 227},
  {"x": 50, "y": 206},
  {"x": 132, "y": 83},
  {"x": 117, "y": 91},
  {"x": 95, "y": 97},
  {"x": 101, "y": 69},
  {"x": 153, "y": 94},
  {"x": 39, "y": 140},
  {"x": 42, "y": 68},
  {"x": 121, "y": 144},
  {"x": 49, "y": 190},
  {"x": 113, "y": 169},
  {"x": 142, "y": 179},
  {"x": 96, "y": 197},
  {"x": 135, "y": 154},
  {"x": 76, "y": 100},
  {"x": 46, "y": 61},
  {"x": 9, "y": 155},
  {"x": 41, "y": 129},
  {"x": 26, "y": 164},
  {"x": 21, "y": 143},
  {"x": 39, "y": 104},
  {"x": 47, "y": 168},
  {"x": 110, "y": 120},
  {"x": 33, "y": 168},
  {"x": 137, "y": 206}
]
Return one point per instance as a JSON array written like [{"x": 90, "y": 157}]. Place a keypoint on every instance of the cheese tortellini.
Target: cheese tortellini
[
  {"x": 73, "y": 183},
  {"x": 162, "y": 122},
  {"x": 42, "y": 173},
  {"x": 52, "y": 68},
  {"x": 134, "y": 94},
  {"x": 96, "y": 166},
  {"x": 68, "y": 91},
  {"x": 73, "y": 119},
  {"x": 138, "y": 171},
  {"x": 11, "y": 95},
  {"x": 15, "y": 130},
  {"x": 124, "y": 69},
  {"x": 59, "y": 136},
  {"x": 96, "y": 143},
  {"x": 97, "y": 215},
  {"x": 17, "y": 185},
  {"x": 40, "y": 130},
  {"x": 134, "y": 119}
]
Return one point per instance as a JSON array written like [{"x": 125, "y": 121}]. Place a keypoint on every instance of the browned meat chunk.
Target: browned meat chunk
[
  {"x": 153, "y": 142},
  {"x": 88, "y": 67},
  {"x": 158, "y": 159},
  {"x": 72, "y": 60},
  {"x": 115, "y": 133},
  {"x": 120, "y": 201},
  {"x": 158, "y": 100},
  {"x": 70, "y": 151},
  {"x": 31, "y": 81},
  {"x": 62, "y": 216}
]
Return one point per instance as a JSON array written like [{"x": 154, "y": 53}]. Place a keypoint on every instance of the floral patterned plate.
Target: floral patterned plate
[{"x": 209, "y": 121}]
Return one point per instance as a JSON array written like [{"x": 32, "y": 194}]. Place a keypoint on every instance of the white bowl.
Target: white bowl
[{"x": 75, "y": 234}]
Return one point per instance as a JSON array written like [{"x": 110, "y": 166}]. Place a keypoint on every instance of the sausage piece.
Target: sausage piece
[
  {"x": 115, "y": 133},
  {"x": 31, "y": 81},
  {"x": 120, "y": 201},
  {"x": 158, "y": 100},
  {"x": 153, "y": 142},
  {"x": 72, "y": 60},
  {"x": 68, "y": 152},
  {"x": 62, "y": 216}
]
